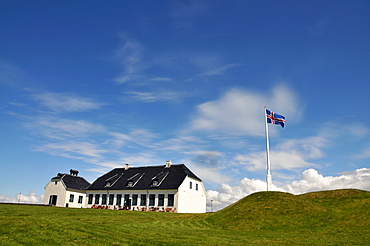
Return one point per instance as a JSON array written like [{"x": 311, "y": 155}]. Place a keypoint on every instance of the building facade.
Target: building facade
[{"x": 168, "y": 188}]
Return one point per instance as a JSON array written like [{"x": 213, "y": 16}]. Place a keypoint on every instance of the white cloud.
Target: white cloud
[
  {"x": 241, "y": 112},
  {"x": 289, "y": 154},
  {"x": 31, "y": 198},
  {"x": 310, "y": 181},
  {"x": 64, "y": 102}
]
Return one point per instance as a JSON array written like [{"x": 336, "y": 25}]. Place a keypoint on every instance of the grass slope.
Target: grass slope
[{"x": 339, "y": 217}]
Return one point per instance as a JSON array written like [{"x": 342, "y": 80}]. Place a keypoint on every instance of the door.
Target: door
[{"x": 53, "y": 200}]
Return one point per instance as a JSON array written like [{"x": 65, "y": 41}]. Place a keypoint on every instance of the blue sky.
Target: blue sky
[{"x": 92, "y": 85}]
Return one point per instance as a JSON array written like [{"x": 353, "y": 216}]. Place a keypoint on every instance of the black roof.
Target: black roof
[
  {"x": 73, "y": 182},
  {"x": 141, "y": 178}
]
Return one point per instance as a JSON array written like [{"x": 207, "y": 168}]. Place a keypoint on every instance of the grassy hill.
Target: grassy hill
[{"x": 338, "y": 217}]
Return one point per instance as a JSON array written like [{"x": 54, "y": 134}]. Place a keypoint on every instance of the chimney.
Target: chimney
[
  {"x": 168, "y": 163},
  {"x": 127, "y": 166}
]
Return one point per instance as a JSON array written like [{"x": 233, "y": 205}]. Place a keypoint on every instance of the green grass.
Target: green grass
[{"x": 338, "y": 217}]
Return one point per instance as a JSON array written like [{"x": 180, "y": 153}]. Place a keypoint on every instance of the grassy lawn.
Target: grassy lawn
[{"x": 340, "y": 217}]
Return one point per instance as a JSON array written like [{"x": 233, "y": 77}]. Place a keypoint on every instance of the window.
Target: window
[
  {"x": 171, "y": 199},
  {"x": 151, "y": 199},
  {"x": 119, "y": 198},
  {"x": 108, "y": 184},
  {"x": 130, "y": 183},
  {"x": 191, "y": 185},
  {"x": 155, "y": 182},
  {"x": 104, "y": 199},
  {"x": 143, "y": 200},
  {"x": 111, "y": 198},
  {"x": 80, "y": 198},
  {"x": 56, "y": 182},
  {"x": 126, "y": 201},
  {"x": 161, "y": 200},
  {"x": 134, "y": 200},
  {"x": 97, "y": 198},
  {"x": 71, "y": 197},
  {"x": 89, "y": 201},
  {"x": 196, "y": 186}
]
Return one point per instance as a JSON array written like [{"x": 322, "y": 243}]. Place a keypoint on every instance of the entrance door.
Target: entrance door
[{"x": 53, "y": 200}]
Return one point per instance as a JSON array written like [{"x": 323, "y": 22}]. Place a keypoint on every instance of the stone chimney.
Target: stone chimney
[
  {"x": 127, "y": 166},
  {"x": 168, "y": 163}
]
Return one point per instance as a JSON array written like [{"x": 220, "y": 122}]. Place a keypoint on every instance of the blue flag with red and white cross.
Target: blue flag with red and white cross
[{"x": 275, "y": 118}]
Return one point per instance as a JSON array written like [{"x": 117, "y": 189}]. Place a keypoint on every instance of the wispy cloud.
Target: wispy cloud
[
  {"x": 241, "y": 112},
  {"x": 65, "y": 102},
  {"x": 156, "y": 96},
  {"x": 130, "y": 56},
  {"x": 218, "y": 70}
]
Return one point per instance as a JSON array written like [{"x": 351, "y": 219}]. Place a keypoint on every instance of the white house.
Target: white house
[
  {"x": 66, "y": 190},
  {"x": 170, "y": 187}
]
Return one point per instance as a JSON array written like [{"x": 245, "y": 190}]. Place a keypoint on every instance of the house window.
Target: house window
[
  {"x": 108, "y": 184},
  {"x": 134, "y": 200},
  {"x": 143, "y": 200},
  {"x": 191, "y": 185},
  {"x": 155, "y": 182},
  {"x": 196, "y": 186},
  {"x": 90, "y": 200},
  {"x": 71, "y": 197},
  {"x": 130, "y": 183},
  {"x": 171, "y": 199},
  {"x": 80, "y": 198},
  {"x": 111, "y": 198},
  {"x": 151, "y": 199},
  {"x": 56, "y": 182},
  {"x": 97, "y": 198},
  {"x": 104, "y": 199},
  {"x": 126, "y": 201},
  {"x": 161, "y": 200},
  {"x": 119, "y": 198}
]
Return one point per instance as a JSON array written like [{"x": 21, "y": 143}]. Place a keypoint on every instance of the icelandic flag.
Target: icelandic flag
[{"x": 275, "y": 118}]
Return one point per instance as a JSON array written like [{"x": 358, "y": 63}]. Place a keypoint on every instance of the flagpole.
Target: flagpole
[{"x": 268, "y": 176}]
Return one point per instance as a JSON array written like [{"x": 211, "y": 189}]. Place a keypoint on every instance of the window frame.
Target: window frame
[
  {"x": 90, "y": 199},
  {"x": 134, "y": 199},
  {"x": 104, "y": 199},
  {"x": 119, "y": 200},
  {"x": 71, "y": 197},
  {"x": 170, "y": 200},
  {"x": 143, "y": 200},
  {"x": 152, "y": 200}
]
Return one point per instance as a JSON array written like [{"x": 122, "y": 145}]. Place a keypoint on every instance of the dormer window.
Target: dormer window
[
  {"x": 108, "y": 184},
  {"x": 155, "y": 182},
  {"x": 132, "y": 181}
]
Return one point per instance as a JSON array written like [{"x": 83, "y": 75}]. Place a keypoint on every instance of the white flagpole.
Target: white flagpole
[{"x": 268, "y": 176}]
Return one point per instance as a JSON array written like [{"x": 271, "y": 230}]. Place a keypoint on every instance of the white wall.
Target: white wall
[
  {"x": 55, "y": 188},
  {"x": 191, "y": 200}
]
